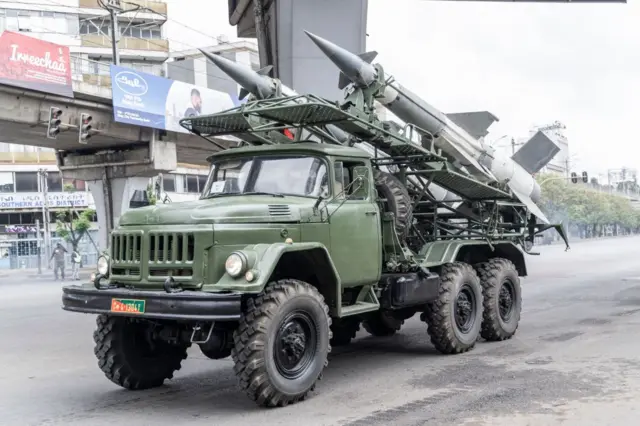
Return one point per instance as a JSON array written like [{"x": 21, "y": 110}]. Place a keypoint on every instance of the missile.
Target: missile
[
  {"x": 482, "y": 161},
  {"x": 260, "y": 85}
]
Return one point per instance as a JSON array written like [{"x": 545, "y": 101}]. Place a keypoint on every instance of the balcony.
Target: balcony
[
  {"x": 128, "y": 43},
  {"x": 157, "y": 6}
]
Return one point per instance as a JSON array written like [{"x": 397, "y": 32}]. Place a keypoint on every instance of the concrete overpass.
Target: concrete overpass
[{"x": 118, "y": 158}]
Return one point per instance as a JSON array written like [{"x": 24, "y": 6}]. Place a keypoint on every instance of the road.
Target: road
[{"x": 574, "y": 361}]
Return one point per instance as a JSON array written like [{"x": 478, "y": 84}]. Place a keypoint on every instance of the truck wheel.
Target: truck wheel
[
  {"x": 455, "y": 318},
  {"x": 129, "y": 355},
  {"x": 502, "y": 299},
  {"x": 382, "y": 324},
  {"x": 397, "y": 199},
  {"x": 344, "y": 330},
  {"x": 282, "y": 343}
]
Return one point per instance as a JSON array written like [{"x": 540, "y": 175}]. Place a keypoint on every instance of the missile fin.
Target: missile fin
[
  {"x": 368, "y": 57},
  {"x": 343, "y": 81},
  {"x": 265, "y": 71},
  {"x": 533, "y": 208},
  {"x": 475, "y": 123},
  {"x": 536, "y": 153},
  {"x": 243, "y": 93}
]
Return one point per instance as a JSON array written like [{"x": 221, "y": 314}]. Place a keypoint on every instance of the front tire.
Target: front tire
[
  {"x": 502, "y": 299},
  {"x": 455, "y": 318},
  {"x": 282, "y": 343},
  {"x": 130, "y": 357}
]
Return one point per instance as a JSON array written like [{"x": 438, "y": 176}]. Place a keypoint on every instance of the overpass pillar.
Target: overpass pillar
[
  {"x": 279, "y": 27},
  {"x": 114, "y": 175}
]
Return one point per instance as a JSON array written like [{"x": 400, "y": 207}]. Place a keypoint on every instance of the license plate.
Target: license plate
[{"x": 130, "y": 306}]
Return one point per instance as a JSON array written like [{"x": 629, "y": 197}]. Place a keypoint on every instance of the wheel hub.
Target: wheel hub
[
  {"x": 295, "y": 345},
  {"x": 505, "y": 300},
  {"x": 465, "y": 309}
]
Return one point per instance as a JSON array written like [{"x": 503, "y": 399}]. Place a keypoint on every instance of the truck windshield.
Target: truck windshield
[{"x": 300, "y": 176}]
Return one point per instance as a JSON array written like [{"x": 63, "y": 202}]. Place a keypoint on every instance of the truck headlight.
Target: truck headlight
[
  {"x": 236, "y": 264},
  {"x": 103, "y": 265}
]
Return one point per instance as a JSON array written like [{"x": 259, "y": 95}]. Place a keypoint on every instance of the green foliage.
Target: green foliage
[
  {"x": 584, "y": 205},
  {"x": 152, "y": 195},
  {"x": 71, "y": 224}
]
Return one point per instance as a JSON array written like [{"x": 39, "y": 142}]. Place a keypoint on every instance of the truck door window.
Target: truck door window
[{"x": 344, "y": 179}]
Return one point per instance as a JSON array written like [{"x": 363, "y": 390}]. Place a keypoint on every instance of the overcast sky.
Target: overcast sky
[{"x": 526, "y": 63}]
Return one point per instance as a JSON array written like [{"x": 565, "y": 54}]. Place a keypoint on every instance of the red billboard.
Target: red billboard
[{"x": 35, "y": 64}]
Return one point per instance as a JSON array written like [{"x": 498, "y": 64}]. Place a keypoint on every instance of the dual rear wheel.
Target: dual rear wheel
[{"x": 481, "y": 301}]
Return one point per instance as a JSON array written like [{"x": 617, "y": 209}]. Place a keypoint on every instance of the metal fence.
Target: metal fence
[{"x": 29, "y": 253}]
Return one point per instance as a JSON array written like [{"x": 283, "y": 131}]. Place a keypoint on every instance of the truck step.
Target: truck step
[{"x": 359, "y": 308}]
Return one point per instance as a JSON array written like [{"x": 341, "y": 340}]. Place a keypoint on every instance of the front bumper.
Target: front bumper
[{"x": 186, "y": 305}]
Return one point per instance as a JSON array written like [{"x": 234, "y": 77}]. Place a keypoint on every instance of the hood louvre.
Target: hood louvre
[{"x": 279, "y": 210}]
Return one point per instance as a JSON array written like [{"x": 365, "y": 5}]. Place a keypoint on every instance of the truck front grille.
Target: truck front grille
[
  {"x": 126, "y": 247},
  {"x": 171, "y": 247},
  {"x": 152, "y": 255}
]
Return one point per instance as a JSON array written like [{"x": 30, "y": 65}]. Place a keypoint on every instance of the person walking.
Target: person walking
[
  {"x": 58, "y": 255},
  {"x": 75, "y": 265}
]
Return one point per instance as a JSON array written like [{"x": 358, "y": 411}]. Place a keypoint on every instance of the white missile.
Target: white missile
[
  {"x": 261, "y": 86},
  {"x": 483, "y": 162}
]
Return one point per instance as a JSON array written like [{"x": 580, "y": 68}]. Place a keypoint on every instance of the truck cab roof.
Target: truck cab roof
[{"x": 293, "y": 148}]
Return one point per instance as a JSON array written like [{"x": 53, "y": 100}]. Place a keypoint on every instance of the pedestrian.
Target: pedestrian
[
  {"x": 58, "y": 255},
  {"x": 75, "y": 264}
]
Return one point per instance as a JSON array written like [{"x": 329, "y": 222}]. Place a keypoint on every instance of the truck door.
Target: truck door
[{"x": 355, "y": 229}]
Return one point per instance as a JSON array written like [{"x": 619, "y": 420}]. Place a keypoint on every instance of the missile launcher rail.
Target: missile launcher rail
[{"x": 483, "y": 211}]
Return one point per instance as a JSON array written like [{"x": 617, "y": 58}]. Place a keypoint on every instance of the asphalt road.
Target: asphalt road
[{"x": 575, "y": 361}]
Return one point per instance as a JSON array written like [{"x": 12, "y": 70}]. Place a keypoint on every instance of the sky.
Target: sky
[{"x": 527, "y": 63}]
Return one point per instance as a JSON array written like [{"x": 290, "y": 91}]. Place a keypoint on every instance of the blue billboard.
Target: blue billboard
[{"x": 147, "y": 100}]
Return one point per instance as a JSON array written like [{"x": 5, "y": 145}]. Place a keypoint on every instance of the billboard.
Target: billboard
[
  {"x": 147, "y": 100},
  {"x": 35, "y": 64}
]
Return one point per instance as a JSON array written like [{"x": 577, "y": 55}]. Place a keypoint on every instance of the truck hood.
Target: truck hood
[{"x": 230, "y": 209}]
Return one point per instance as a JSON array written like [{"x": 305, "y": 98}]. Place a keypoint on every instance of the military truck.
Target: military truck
[{"x": 297, "y": 241}]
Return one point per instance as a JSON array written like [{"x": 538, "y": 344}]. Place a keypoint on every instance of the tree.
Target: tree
[
  {"x": 586, "y": 209},
  {"x": 153, "y": 199},
  {"x": 73, "y": 225}
]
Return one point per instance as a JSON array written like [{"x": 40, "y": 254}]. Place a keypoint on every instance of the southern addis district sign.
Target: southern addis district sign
[{"x": 35, "y": 200}]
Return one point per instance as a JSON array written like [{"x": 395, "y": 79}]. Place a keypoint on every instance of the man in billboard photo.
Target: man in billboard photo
[{"x": 195, "y": 108}]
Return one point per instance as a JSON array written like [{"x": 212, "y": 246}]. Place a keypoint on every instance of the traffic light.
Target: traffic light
[
  {"x": 585, "y": 177},
  {"x": 574, "y": 177},
  {"x": 85, "y": 128},
  {"x": 53, "y": 128}
]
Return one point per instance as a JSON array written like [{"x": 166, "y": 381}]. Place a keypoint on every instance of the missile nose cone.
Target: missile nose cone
[
  {"x": 251, "y": 81},
  {"x": 351, "y": 65}
]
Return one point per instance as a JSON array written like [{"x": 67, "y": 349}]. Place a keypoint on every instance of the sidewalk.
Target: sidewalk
[
  {"x": 574, "y": 240},
  {"x": 46, "y": 273}
]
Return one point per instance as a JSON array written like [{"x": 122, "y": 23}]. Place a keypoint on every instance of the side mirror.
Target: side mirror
[{"x": 361, "y": 183}]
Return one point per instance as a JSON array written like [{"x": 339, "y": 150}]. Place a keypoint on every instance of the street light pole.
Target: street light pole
[{"x": 113, "y": 6}]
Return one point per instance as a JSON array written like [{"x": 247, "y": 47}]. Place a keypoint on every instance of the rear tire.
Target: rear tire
[
  {"x": 130, "y": 357},
  {"x": 282, "y": 343},
  {"x": 455, "y": 318},
  {"x": 502, "y": 299}
]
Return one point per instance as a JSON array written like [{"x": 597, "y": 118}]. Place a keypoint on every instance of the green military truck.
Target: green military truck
[{"x": 292, "y": 247}]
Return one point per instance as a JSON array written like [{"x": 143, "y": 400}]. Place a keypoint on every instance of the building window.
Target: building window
[
  {"x": 78, "y": 185},
  {"x": 191, "y": 183},
  {"x": 54, "y": 182},
  {"x": 26, "y": 182},
  {"x": 6, "y": 182},
  {"x": 169, "y": 183},
  {"x": 202, "y": 181}
]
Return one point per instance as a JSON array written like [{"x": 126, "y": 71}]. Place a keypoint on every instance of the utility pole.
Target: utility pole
[
  {"x": 113, "y": 6},
  {"x": 45, "y": 213}
]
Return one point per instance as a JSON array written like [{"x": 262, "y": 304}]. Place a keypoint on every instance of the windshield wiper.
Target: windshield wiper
[
  {"x": 235, "y": 194},
  {"x": 273, "y": 194}
]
